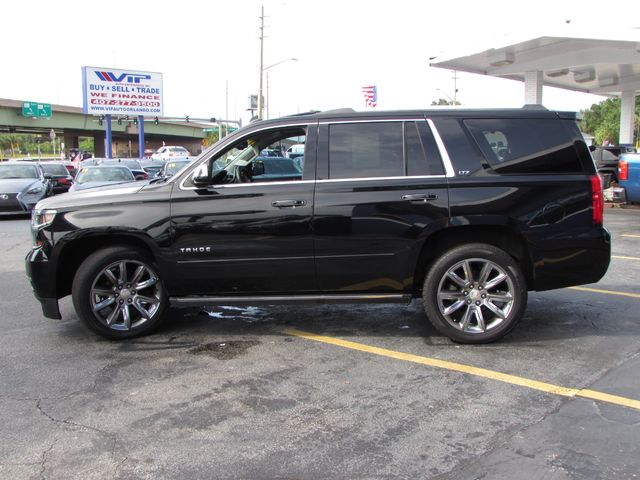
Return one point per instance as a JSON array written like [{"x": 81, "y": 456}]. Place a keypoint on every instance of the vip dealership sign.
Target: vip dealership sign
[{"x": 121, "y": 92}]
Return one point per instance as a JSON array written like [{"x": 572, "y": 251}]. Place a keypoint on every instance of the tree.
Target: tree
[
  {"x": 444, "y": 101},
  {"x": 602, "y": 120}
]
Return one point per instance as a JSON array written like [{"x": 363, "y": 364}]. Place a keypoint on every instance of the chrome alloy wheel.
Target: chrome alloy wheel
[
  {"x": 475, "y": 295},
  {"x": 125, "y": 295}
]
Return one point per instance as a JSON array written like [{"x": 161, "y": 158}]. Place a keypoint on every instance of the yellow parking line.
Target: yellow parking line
[
  {"x": 606, "y": 292},
  {"x": 471, "y": 370},
  {"x": 630, "y": 235},
  {"x": 620, "y": 257}
]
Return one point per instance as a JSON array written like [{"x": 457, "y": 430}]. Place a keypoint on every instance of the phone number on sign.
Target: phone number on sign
[{"x": 124, "y": 103}]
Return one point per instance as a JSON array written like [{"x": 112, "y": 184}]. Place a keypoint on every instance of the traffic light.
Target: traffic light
[
  {"x": 212, "y": 120},
  {"x": 119, "y": 120},
  {"x": 187, "y": 118},
  {"x": 156, "y": 121}
]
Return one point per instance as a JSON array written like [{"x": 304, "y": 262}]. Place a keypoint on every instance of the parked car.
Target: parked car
[
  {"x": 61, "y": 179},
  {"x": 170, "y": 152},
  {"x": 389, "y": 207},
  {"x": 606, "y": 159},
  {"x": 132, "y": 164},
  {"x": 295, "y": 151},
  {"x": 629, "y": 176},
  {"x": 151, "y": 166},
  {"x": 22, "y": 185},
  {"x": 172, "y": 167},
  {"x": 100, "y": 176}
]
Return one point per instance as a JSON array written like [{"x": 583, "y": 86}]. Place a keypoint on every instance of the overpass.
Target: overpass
[{"x": 70, "y": 123}]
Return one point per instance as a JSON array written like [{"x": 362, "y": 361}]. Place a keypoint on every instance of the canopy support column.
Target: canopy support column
[
  {"x": 626, "y": 117},
  {"x": 533, "y": 88}
]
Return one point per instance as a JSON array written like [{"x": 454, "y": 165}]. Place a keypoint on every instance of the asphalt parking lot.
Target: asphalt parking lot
[{"x": 326, "y": 392}]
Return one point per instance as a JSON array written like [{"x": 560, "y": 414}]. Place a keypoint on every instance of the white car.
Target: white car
[
  {"x": 170, "y": 153},
  {"x": 296, "y": 150}
]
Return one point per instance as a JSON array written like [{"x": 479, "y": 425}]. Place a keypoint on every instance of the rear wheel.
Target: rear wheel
[
  {"x": 475, "y": 293},
  {"x": 118, "y": 293}
]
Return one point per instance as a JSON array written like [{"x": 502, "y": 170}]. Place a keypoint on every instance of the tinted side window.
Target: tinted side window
[
  {"x": 359, "y": 150},
  {"x": 423, "y": 157},
  {"x": 525, "y": 145}
]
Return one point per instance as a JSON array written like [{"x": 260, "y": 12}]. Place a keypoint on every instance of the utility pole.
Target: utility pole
[
  {"x": 455, "y": 87},
  {"x": 260, "y": 105}
]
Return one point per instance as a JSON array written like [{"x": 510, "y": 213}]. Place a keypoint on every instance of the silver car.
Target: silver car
[{"x": 22, "y": 185}]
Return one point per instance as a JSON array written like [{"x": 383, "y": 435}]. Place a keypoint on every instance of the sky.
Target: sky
[{"x": 208, "y": 51}]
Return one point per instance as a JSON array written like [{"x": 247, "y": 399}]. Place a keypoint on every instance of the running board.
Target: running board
[{"x": 197, "y": 301}]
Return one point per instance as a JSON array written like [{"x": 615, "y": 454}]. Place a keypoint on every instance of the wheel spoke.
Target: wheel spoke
[
  {"x": 150, "y": 300},
  {"x": 143, "y": 312},
  {"x": 497, "y": 280},
  {"x": 480, "y": 319},
  {"x": 454, "y": 307},
  {"x": 466, "y": 266},
  {"x": 138, "y": 274},
  {"x": 113, "y": 316},
  {"x": 112, "y": 278},
  {"x": 484, "y": 273},
  {"x": 123, "y": 272},
  {"x": 501, "y": 297},
  {"x": 450, "y": 295},
  {"x": 495, "y": 310},
  {"x": 146, "y": 283},
  {"x": 104, "y": 303},
  {"x": 456, "y": 279},
  {"x": 464, "y": 323},
  {"x": 126, "y": 316},
  {"x": 103, "y": 292}
]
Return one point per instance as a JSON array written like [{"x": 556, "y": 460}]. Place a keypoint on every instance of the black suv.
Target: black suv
[{"x": 465, "y": 209}]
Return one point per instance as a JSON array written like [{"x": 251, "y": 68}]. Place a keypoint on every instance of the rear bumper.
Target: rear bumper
[
  {"x": 572, "y": 258},
  {"x": 42, "y": 279}
]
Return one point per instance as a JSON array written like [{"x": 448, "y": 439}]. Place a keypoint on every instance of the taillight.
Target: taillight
[
  {"x": 597, "y": 200},
  {"x": 623, "y": 170}
]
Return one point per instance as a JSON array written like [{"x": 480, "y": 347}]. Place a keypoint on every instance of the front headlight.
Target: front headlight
[
  {"x": 42, "y": 218},
  {"x": 35, "y": 191}
]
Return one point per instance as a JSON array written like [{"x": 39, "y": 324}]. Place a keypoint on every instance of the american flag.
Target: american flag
[{"x": 370, "y": 95}]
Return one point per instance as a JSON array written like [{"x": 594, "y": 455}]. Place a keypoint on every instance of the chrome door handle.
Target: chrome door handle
[
  {"x": 288, "y": 203},
  {"x": 420, "y": 197}
]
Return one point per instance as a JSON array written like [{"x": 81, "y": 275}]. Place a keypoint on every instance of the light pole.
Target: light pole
[{"x": 265, "y": 70}]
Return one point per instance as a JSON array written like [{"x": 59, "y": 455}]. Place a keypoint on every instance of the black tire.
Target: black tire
[
  {"x": 102, "y": 295},
  {"x": 469, "y": 305}
]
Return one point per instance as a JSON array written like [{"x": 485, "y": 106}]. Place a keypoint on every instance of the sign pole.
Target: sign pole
[
  {"x": 141, "y": 136},
  {"x": 109, "y": 139}
]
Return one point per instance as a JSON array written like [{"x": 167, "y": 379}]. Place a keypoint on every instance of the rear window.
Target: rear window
[{"x": 518, "y": 146}]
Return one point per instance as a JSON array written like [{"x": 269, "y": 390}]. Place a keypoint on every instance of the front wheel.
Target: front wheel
[
  {"x": 475, "y": 293},
  {"x": 118, "y": 293}
]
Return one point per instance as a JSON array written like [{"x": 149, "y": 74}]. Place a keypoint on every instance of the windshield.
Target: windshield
[
  {"x": 18, "y": 171},
  {"x": 104, "y": 174},
  {"x": 171, "y": 168},
  {"x": 54, "y": 169}
]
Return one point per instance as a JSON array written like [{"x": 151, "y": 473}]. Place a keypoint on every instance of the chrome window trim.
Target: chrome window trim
[
  {"x": 446, "y": 160},
  {"x": 257, "y": 130},
  {"x": 372, "y": 120},
  {"x": 254, "y": 184},
  {"x": 368, "y": 179}
]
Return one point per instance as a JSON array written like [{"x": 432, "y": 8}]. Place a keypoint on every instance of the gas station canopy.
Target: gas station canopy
[{"x": 599, "y": 66}]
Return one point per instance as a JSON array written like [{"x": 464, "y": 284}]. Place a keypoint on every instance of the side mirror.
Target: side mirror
[
  {"x": 257, "y": 168},
  {"x": 200, "y": 181}
]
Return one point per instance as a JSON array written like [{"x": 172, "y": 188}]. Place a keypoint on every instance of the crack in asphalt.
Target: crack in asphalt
[{"x": 43, "y": 461}]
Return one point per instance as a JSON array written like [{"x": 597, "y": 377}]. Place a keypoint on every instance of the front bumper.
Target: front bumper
[{"x": 42, "y": 279}]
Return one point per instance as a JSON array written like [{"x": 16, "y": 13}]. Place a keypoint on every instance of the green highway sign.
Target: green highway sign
[{"x": 35, "y": 109}]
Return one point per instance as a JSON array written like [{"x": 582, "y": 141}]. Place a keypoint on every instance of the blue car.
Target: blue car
[{"x": 629, "y": 175}]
